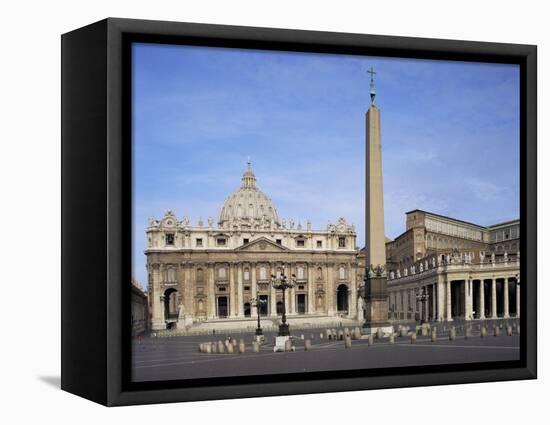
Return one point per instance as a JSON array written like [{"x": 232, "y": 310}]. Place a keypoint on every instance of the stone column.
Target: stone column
[
  {"x": 448, "y": 308},
  {"x": 310, "y": 288},
  {"x": 158, "y": 305},
  {"x": 240, "y": 301},
  {"x": 331, "y": 274},
  {"x": 292, "y": 291},
  {"x": 211, "y": 306},
  {"x": 232, "y": 297},
  {"x": 272, "y": 291},
  {"x": 506, "y": 299},
  {"x": 353, "y": 297},
  {"x": 468, "y": 307},
  {"x": 518, "y": 292},
  {"x": 441, "y": 293},
  {"x": 253, "y": 289},
  {"x": 493, "y": 298},
  {"x": 482, "y": 299},
  {"x": 434, "y": 301}
]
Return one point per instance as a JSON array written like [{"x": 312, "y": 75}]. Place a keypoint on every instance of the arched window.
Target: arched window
[
  {"x": 200, "y": 275},
  {"x": 341, "y": 273},
  {"x": 251, "y": 210},
  {"x": 221, "y": 273},
  {"x": 319, "y": 273},
  {"x": 263, "y": 273}
]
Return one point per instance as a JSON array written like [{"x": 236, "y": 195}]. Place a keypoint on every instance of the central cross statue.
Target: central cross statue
[{"x": 372, "y": 73}]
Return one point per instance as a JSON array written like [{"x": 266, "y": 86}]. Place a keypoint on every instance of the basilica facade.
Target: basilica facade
[{"x": 221, "y": 271}]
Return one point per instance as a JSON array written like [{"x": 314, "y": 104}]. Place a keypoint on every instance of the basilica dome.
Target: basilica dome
[{"x": 249, "y": 206}]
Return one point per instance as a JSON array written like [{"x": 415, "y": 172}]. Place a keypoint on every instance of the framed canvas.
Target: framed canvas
[{"x": 251, "y": 212}]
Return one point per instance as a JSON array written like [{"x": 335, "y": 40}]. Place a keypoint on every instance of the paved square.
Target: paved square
[{"x": 179, "y": 358}]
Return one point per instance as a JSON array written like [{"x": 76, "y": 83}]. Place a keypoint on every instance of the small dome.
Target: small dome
[{"x": 249, "y": 206}]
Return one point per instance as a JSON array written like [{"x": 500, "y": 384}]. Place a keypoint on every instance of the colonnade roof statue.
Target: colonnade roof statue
[{"x": 248, "y": 205}]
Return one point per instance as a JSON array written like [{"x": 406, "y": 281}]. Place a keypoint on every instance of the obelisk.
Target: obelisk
[{"x": 376, "y": 295}]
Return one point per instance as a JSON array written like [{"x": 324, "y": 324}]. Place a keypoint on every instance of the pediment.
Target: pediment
[{"x": 262, "y": 245}]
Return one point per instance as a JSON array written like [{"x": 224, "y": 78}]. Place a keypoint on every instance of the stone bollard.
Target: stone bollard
[
  {"x": 288, "y": 345},
  {"x": 413, "y": 338},
  {"x": 379, "y": 334},
  {"x": 340, "y": 335},
  {"x": 302, "y": 336},
  {"x": 501, "y": 326},
  {"x": 234, "y": 342},
  {"x": 208, "y": 347},
  {"x": 467, "y": 332},
  {"x": 255, "y": 347},
  {"x": 329, "y": 335},
  {"x": 392, "y": 338},
  {"x": 221, "y": 347},
  {"x": 201, "y": 348},
  {"x": 347, "y": 342},
  {"x": 321, "y": 335},
  {"x": 424, "y": 330},
  {"x": 357, "y": 333},
  {"x": 434, "y": 335},
  {"x": 483, "y": 332},
  {"x": 370, "y": 339},
  {"x": 509, "y": 330},
  {"x": 214, "y": 347},
  {"x": 230, "y": 349},
  {"x": 403, "y": 331},
  {"x": 307, "y": 345},
  {"x": 452, "y": 333},
  {"x": 497, "y": 331}
]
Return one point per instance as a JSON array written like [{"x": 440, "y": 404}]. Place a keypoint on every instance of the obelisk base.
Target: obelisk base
[{"x": 376, "y": 307}]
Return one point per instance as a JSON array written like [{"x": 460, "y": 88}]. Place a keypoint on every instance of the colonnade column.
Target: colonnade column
[
  {"x": 254, "y": 289},
  {"x": 434, "y": 302},
  {"x": 518, "y": 292},
  {"x": 158, "y": 304},
  {"x": 493, "y": 298},
  {"x": 468, "y": 307},
  {"x": 310, "y": 288},
  {"x": 448, "y": 307},
  {"x": 482, "y": 299},
  {"x": 441, "y": 292},
  {"x": 240, "y": 301},
  {"x": 506, "y": 299}
]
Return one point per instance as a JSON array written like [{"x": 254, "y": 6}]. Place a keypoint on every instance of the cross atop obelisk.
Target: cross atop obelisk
[{"x": 372, "y": 73}]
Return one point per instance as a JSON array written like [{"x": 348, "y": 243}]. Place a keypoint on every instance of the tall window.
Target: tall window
[
  {"x": 171, "y": 275},
  {"x": 341, "y": 242},
  {"x": 319, "y": 244},
  {"x": 300, "y": 243},
  {"x": 169, "y": 237},
  {"x": 341, "y": 273},
  {"x": 198, "y": 241},
  {"x": 220, "y": 241}
]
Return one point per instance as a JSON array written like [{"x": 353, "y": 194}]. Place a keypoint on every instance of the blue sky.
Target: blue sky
[{"x": 450, "y": 135}]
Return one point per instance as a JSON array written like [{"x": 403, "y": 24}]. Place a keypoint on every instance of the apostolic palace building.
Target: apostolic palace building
[{"x": 212, "y": 274}]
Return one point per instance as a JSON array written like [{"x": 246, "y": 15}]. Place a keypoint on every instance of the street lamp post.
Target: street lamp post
[
  {"x": 258, "y": 302},
  {"x": 423, "y": 297},
  {"x": 283, "y": 284}
]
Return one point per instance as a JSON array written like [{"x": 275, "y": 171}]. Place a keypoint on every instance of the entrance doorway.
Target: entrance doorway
[
  {"x": 301, "y": 303},
  {"x": 222, "y": 307},
  {"x": 342, "y": 299}
]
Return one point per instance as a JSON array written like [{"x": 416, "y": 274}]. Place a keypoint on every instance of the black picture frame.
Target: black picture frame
[{"x": 96, "y": 206}]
